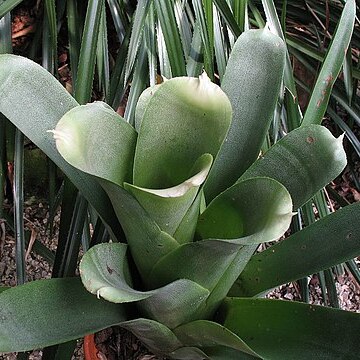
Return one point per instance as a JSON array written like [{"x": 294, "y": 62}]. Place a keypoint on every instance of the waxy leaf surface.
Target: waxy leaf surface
[
  {"x": 277, "y": 329},
  {"x": 328, "y": 242},
  {"x": 184, "y": 119},
  {"x": 252, "y": 82},
  {"x": 47, "y": 312},
  {"x": 41, "y": 102},
  {"x": 304, "y": 161},
  {"x": 95, "y": 139},
  {"x": 254, "y": 211}
]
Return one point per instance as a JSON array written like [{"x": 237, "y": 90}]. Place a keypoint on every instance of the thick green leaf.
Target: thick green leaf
[
  {"x": 167, "y": 207},
  {"x": 48, "y": 312},
  {"x": 176, "y": 303},
  {"x": 34, "y": 101},
  {"x": 158, "y": 338},
  {"x": 331, "y": 66},
  {"x": 192, "y": 261},
  {"x": 254, "y": 211},
  {"x": 288, "y": 330},
  {"x": 95, "y": 139},
  {"x": 328, "y": 242},
  {"x": 270, "y": 221},
  {"x": 304, "y": 161},
  {"x": 206, "y": 334},
  {"x": 104, "y": 271},
  {"x": 185, "y": 118},
  {"x": 142, "y": 103},
  {"x": 252, "y": 82},
  {"x": 147, "y": 242},
  {"x": 226, "y": 259},
  {"x": 267, "y": 220}
]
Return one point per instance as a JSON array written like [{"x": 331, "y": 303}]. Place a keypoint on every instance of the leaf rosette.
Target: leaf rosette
[
  {"x": 189, "y": 252},
  {"x": 195, "y": 200}
]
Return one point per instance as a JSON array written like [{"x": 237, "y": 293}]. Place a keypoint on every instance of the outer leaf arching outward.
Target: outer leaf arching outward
[
  {"x": 184, "y": 119},
  {"x": 273, "y": 328},
  {"x": 47, "y": 312},
  {"x": 96, "y": 140},
  {"x": 328, "y": 242},
  {"x": 255, "y": 210},
  {"x": 304, "y": 161},
  {"x": 104, "y": 272},
  {"x": 40, "y": 101}
]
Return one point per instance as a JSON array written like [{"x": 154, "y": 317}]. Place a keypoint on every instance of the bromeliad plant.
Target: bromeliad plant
[{"x": 195, "y": 200}]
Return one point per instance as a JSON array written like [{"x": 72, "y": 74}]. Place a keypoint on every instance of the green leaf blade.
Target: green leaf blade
[
  {"x": 206, "y": 334},
  {"x": 157, "y": 337},
  {"x": 184, "y": 119},
  {"x": 147, "y": 242},
  {"x": 190, "y": 261},
  {"x": 328, "y": 242},
  {"x": 253, "y": 211},
  {"x": 167, "y": 207},
  {"x": 25, "y": 83},
  {"x": 30, "y": 311},
  {"x": 331, "y": 66},
  {"x": 176, "y": 303},
  {"x": 304, "y": 161},
  {"x": 252, "y": 82},
  {"x": 104, "y": 272},
  {"x": 96, "y": 140},
  {"x": 299, "y": 329}
]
